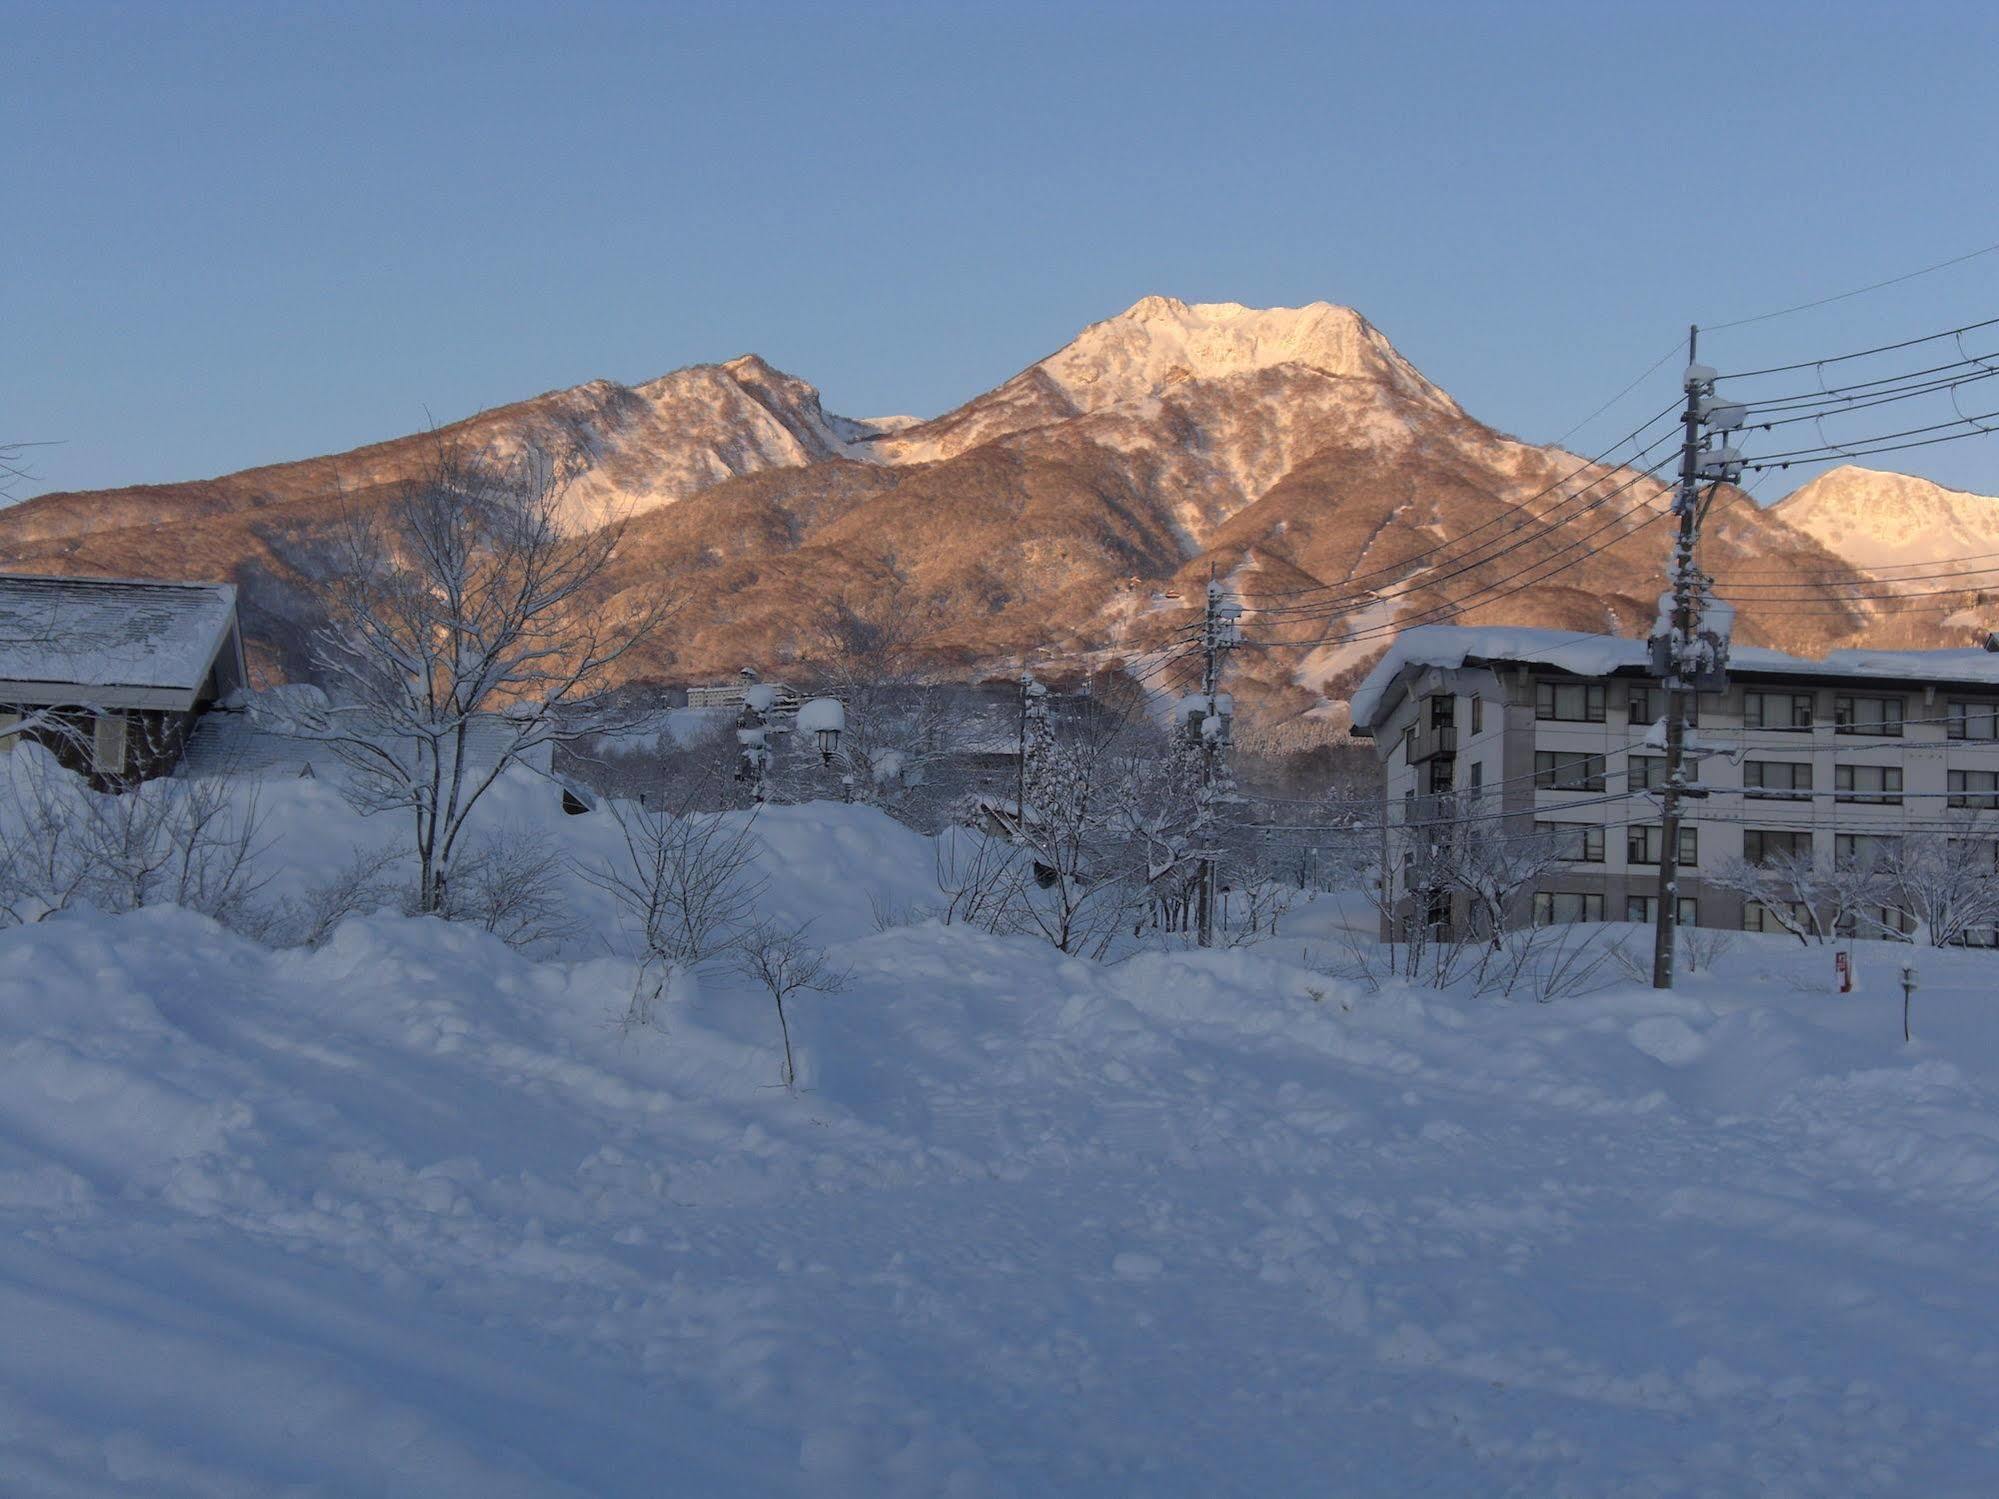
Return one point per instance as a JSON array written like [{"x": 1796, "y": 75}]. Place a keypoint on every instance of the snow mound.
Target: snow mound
[{"x": 413, "y": 1213}]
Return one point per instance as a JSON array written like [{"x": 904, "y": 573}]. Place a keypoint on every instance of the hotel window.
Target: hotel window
[
  {"x": 1563, "y": 770},
  {"x": 1858, "y": 850},
  {"x": 1569, "y": 702},
  {"x": 1971, "y": 721},
  {"x": 1756, "y": 918},
  {"x": 1868, "y": 783},
  {"x": 1982, "y": 850},
  {"x": 1642, "y": 845},
  {"x": 1477, "y": 776},
  {"x": 1478, "y": 715},
  {"x": 1760, "y": 845},
  {"x": 1560, "y": 907},
  {"x": 1648, "y": 705},
  {"x": 1875, "y": 921},
  {"x": 1974, "y": 788},
  {"x": 1777, "y": 778},
  {"x": 1777, "y": 710},
  {"x": 1580, "y": 842},
  {"x": 1443, "y": 711},
  {"x": 1645, "y": 910},
  {"x": 1648, "y": 772},
  {"x": 1881, "y": 716}
]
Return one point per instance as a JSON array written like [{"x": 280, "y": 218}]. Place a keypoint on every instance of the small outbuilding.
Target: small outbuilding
[{"x": 111, "y": 674}]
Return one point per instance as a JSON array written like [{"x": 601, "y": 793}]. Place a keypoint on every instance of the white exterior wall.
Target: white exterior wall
[{"x": 1512, "y": 735}]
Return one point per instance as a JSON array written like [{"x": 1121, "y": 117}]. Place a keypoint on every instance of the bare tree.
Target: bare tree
[
  {"x": 1087, "y": 825},
  {"x": 14, "y": 468},
  {"x": 1495, "y": 864},
  {"x": 1791, "y": 888},
  {"x": 1946, "y": 881},
  {"x": 462, "y": 639},
  {"x": 687, "y": 884},
  {"x": 785, "y": 963},
  {"x": 977, "y": 875}
]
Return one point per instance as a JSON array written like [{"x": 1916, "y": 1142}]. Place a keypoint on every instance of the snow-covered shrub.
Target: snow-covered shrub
[
  {"x": 687, "y": 885},
  {"x": 190, "y": 843},
  {"x": 511, "y": 885},
  {"x": 361, "y": 885}
]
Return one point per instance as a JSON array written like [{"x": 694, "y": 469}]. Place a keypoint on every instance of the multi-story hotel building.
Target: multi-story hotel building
[{"x": 1553, "y": 734}]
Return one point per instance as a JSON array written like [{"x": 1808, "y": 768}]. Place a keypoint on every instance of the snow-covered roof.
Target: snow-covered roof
[
  {"x": 1452, "y": 646},
  {"x": 64, "y": 633}
]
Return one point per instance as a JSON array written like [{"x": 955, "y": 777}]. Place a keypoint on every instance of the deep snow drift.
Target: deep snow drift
[{"x": 412, "y": 1215}]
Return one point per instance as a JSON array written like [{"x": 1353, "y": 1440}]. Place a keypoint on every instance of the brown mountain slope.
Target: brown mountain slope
[{"x": 1075, "y": 511}]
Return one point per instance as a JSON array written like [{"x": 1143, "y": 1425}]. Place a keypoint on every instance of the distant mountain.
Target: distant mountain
[
  {"x": 1074, "y": 511},
  {"x": 1889, "y": 522}
]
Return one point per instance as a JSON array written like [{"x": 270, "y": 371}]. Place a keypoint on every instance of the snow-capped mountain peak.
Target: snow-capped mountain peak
[
  {"x": 1161, "y": 341},
  {"x": 1874, "y": 520}
]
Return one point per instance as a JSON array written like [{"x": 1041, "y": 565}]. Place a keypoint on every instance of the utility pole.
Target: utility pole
[
  {"x": 1218, "y": 634},
  {"x": 1687, "y": 657},
  {"x": 1020, "y": 793}
]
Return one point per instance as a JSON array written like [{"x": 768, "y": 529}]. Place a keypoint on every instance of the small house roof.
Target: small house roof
[{"x": 113, "y": 633}]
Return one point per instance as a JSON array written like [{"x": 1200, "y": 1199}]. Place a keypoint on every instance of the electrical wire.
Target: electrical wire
[
  {"x": 1889, "y": 348},
  {"x": 1764, "y": 317},
  {"x": 1428, "y": 583},
  {"x": 1452, "y": 607},
  {"x": 1401, "y": 567}
]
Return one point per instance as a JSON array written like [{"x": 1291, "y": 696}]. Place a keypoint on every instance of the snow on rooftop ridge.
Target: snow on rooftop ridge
[
  {"x": 1451, "y": 646},
  {"x": 1161, "y": 341}
]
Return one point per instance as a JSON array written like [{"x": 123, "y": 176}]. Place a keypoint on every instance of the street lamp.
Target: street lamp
[{"x": 825, "y": 718}]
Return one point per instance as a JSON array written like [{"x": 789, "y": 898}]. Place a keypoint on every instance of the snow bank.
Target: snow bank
[{"x": 412, "y": 1214}]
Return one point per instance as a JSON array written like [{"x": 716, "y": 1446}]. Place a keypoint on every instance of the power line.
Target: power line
[
  {"x": 1907, "y": 343},
  {"x": 1402, "y": 566},
  {"x": 1643, "y": 376},
  {"x": 1452, "y": 607},
  {"x": 1337, "y": 609},
  {"x": 1764, "y": 317},
  {"x": 1855, "y": 450}
]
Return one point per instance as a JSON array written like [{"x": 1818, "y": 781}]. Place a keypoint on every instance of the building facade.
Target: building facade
[{"x": 1537, "y": 734}]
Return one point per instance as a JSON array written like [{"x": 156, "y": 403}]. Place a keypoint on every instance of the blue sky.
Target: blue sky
[{"x": 239, "y": 235}]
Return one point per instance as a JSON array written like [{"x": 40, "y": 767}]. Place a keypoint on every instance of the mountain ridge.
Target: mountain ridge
[{"x": 1072, "y": 510}]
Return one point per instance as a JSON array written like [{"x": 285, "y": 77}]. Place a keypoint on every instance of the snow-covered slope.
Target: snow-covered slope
[
  {"x": 412, "y": 1215},
  {"x": 1160, "y": 344},
  {"x": 1876, "y": 521}
]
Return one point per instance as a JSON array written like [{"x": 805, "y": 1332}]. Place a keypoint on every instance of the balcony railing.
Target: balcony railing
[{"x": 1433, "y": 741}]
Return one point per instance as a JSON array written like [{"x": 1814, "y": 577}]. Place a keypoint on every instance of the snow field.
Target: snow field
[{"x": 413, "y": 1215}]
